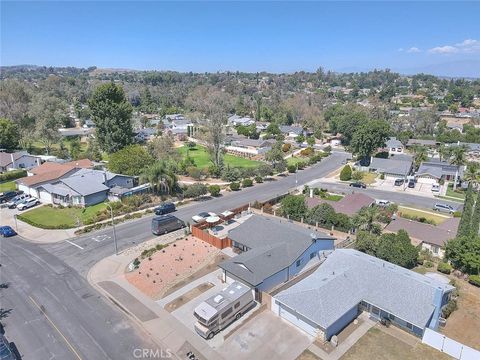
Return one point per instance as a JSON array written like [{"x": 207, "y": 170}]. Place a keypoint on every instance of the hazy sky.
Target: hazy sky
[{"x": 216, "y": 36}]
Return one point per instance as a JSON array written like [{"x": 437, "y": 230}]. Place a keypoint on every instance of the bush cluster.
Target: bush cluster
[
  {"x": 13, "y": 175},
  {"x": 234, "y": 186},
  {"x": 474, "y": 280},
  {"x": 346, "y": 173},
  {"x": 445, "y": 268}
]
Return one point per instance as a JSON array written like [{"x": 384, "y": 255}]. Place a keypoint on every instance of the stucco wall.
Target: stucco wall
[
  {"x": 95, "y": 198},
  {"x": 341, "y": 322}
]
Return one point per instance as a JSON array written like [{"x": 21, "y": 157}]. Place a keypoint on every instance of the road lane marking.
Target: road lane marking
[
  {"x": 56, "y": 328},
  {"x": 100, "y": 238},
  {"x": 78, "y": 246}
]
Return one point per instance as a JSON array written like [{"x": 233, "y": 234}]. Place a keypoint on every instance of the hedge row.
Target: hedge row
[
  {"x": 43, "y": 226},
  {"x": 13, "y": 175}
]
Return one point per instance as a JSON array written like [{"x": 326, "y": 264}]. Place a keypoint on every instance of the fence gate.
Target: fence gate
[{"x": 449, "y": 346}]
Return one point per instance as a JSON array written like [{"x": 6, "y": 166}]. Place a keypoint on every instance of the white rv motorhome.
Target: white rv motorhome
[{"x": 220, "y": 310}]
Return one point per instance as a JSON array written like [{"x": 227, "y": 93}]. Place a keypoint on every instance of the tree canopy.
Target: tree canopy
[
  {"x": 9, "y": 135},
  {"x": 131, "y": 160}
]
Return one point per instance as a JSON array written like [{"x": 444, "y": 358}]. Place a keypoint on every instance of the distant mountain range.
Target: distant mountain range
[{"x": 452, "y": 69}]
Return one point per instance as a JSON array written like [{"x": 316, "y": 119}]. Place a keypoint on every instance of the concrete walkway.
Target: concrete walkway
[
  {"x": 108, "y": 277},
  {"x": 343, "y": 347}
]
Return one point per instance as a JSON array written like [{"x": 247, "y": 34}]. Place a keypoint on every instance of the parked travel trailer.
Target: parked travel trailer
[{"x": 220, "y": 310}]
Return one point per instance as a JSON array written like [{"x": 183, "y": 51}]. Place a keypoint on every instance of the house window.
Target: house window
[
  {"x": 391, "y": 317},
  {"x": 312, "y": 255},
  {"x": 409, "y": 326},
  {"x": 236, "y": 305},
  {"x": 299, "y": 262},
  {"x": 375, "y": 310},
  {"x": 435, "y": 249}
]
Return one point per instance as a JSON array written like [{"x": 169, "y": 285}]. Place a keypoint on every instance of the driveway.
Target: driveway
[{"x": 266, "y": 336}]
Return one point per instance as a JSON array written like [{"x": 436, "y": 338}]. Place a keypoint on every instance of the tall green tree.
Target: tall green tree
[
  {"x": 294, "y": 206},
  {"x": 475, "y": 224},
  {"x": 366, "y": 218},
  {"x": 420, "y": 154},
  {"x": 369, "y": 137},
  {"x": 465, "y": 225},
  {"x": 458, "y": 158},
  {"x": 9, "y": 135},
  {"x": 397, "y": 249},
  {"x": 131, "y": 160},
  {"x": 111, "y": 113}
]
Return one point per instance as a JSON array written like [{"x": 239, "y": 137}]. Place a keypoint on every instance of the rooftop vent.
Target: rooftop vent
[{"x": 218, "y": 299}]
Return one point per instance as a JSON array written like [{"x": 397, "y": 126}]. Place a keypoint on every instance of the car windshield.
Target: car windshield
[{"x": 204, "y": 214}]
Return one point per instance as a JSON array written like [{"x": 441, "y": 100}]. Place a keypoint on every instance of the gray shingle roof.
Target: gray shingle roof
[
  {"x": 348, "y": 276},
  {"x": 291, "y": 129},
  {"x": 430, "y": 234},
  {"x": 438, "y": 168},
  {"x": 394, "y": 143},
  {"x": 274, "y": 244},
  {"x": 391, "y": 166},
  {"x": 85, "y": 184}
]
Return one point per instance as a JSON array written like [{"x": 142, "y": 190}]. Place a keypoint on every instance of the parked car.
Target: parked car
[
  {"x": 165, "y": 208},
  {"x": 13, "y": 203},
  {"x": 28, "y": 203},
  {"x": 411, "y": 184},
  {"x": 358, "y": 185},
  {"x": 7, "y": 231},
  {"x": 164, "y": 224},
  {"x": 383, "y": 203},
  {"x": 6, "y": 196},
  {"x": 444, "y": 208},
  {"x": 202, "y": 216},
  {"x": 399, "y": 182},
  {"x": 435, "y": 187}
]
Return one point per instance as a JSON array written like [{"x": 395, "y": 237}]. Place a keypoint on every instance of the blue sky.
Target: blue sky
[{"x": 245, "y": 36}]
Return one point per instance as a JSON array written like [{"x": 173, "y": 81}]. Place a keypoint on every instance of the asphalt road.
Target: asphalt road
[
  {"x": 51, "y": 312},
  {"x": 83, "y": 252}
]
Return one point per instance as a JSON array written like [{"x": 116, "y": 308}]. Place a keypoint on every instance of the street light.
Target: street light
[{"x": 113, "y": 226}]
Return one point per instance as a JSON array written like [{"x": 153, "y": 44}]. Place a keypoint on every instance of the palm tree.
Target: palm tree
[
  {"x": 444, "y": 152},
  {"x": 161, "y": 176},
  {"x": 366, "y": 217},
  {"x": 472, "y": 173},
  {"x": 420, "y": 154},
  {"x": 457, "y": 158}
]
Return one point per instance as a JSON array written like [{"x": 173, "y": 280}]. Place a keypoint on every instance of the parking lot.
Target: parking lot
[{"x": 420, "y": 189}]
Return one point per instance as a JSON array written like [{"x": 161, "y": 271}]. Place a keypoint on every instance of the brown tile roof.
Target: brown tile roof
[
  {"x": 422, "y": 232},
  {"x": 349, "y": 205},
  {"x": 53, "y": 166},
  {"x": 43, "y": 177}
]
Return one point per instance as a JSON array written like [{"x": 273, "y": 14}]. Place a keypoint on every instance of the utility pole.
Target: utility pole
[{"x": 113, "y": 227}]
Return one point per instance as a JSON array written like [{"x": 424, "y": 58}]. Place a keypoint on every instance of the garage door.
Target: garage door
[{"x": 290, "y": 316}]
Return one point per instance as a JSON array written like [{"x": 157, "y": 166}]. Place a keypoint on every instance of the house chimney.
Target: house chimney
[
  {"x": 38, "y": 161},
  {"x": 13, "y": 161}
]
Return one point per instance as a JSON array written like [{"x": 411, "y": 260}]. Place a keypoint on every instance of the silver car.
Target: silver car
[{"x": 444, "y": 208}]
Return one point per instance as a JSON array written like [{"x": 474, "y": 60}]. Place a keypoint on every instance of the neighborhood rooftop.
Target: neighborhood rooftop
[{"x": 348, "y": 277}]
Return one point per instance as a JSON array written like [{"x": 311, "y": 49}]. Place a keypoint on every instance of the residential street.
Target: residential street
[{"x": 51, "y": 312}]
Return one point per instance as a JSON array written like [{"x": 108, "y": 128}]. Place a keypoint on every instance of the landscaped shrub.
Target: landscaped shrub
[
  {"x": 449, "y": 308},
  {"x": 258, "y": 179},
  {"x": 357, "y": 175},
  {"x": 382, "y": 176},
  {"x": 457, "y": 214},
  {"x": 445, "y": 268},
  {"x": 428, "y": 264},
  {"x": 231, "y": 174},
  {"x": 234, "y": 186},
  {"x": 292, "y": 168},
  {"x": 247, "y": 183},
  {"x": 346, "y": 173},
  {"x": 195, "y": 191},
  {"x": 194, "y": 172},
  {"x": 12, "y": 175},
  {"x": 301, "y": 165},
  {"x": 307, "y": 152},
  {"x": 474, "y": 280},
  {"x": 286, "y": 147},
  {"x": 214, "y": 190}
]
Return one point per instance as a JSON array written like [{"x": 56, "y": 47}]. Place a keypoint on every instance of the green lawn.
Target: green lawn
[
  {"x": 202, "y": 159},
  {"x": 408, "y": 212},
  {"x": 333, "y": 197},
  {"x": 459, "y": 194},
  {"x": 52, "y": 217},
  {"x": 7, "y": 186}
]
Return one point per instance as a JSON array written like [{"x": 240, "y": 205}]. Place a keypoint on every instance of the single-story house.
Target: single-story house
[
  {"x": 394, "y": 146},
  {"x": 432, "y": 171},
  {"x": 88, "y": 124},
  {"x": 171, "y": 117},
  {"x": 291, "y": 132},
  {"x": 430, "y": 237},
  {"x": 17, "y": 160},
  {"x": 248, "y": 147},
  {"x": 236, "y": 120},
  {"x": 261, "y": 126},
  {"x": 349, "y": 205},
  {"x": 145, "y": 134},
  {"x": 392, "y": 167},
  {"x": 83, "y": 188},
  {"x": 421, "y": 142},
  {"x": 349, "y": 282},
  {"x": 273, "y": 251}
]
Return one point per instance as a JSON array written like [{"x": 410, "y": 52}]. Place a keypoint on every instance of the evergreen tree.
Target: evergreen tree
[
  {"x": 111, "y": 113},
  {"x": 475, "y": 224},
  {"x": 464, "y": 228}
]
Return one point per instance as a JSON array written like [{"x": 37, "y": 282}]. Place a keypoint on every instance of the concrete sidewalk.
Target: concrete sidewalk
[{"x": 108, "y": 277}]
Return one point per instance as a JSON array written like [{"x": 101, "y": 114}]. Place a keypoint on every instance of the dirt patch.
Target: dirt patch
[
  {"x": 206, "y": 269},
  {"x": 175, "y": 263},
  {"x": 463, "y": 323},
  {"x": 188, "y": 296},
  {"x": 378, "y": 345}
]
